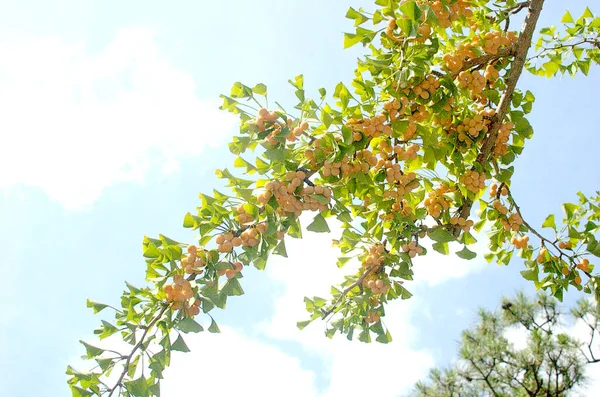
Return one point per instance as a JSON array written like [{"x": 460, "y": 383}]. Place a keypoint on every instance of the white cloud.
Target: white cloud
[
  {"x": 232, "y": 364},
  {"x": 350, "y": 368},
  {"x": 354, "y": 368},
  {"x": 435, "y": 269},
  {"x": 74, "y": 123}
]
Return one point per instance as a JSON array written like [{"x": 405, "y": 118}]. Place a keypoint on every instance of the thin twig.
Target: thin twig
[{"x": 135, "y": 348}]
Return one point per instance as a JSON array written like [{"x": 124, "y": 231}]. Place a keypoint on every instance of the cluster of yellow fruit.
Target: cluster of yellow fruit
[
  {"x": 501, "y": 145},
  {"x": 566, "y": 271},
  {"x": 409, "y": 153},
  {"x": 426, "y": 88},
  {"x": 501, "y": 208},
  {"x": 520, "y": 242},
  {"x": 424, "y": 31},
  {"x": 297, "y": 131},
  {"x": 318, "y": 148},
  {"x": 491, "y": 73},
  {"x": 377, "y": 285},
  {"x": 421, "y": 114},
  {"x": 189, "y": 310},
  {"x": 492, "y": 41},
  {"x": 249, "y": 237},
  {"x": 455, "y": 61},
  {"x": 395, "y": 108},
  {"x": 444, "y": 120},
  {"x": 464, "y": 224},
  {"x": 402, "y": 207},
  {"x": 373, "y": 263},
  {"x": 473, "y": 180},
  {"x": 412, "y": 249},
  {"x": 436, "y": 202},
  {"x": 178, "y": 295},
  {"x": 192, "y": 263},
  {"x": 243, "y": 216},
  {"x": 236, "y": 267},
  {"x": 389, "y": 31},
  {"x": 513, "y": 222},
  {"x": 225, "y": 242},
  {"x": 312, "y": 204},
  {"x": 375, "y": 257},
  {"x": 494, "y": 191},
  {"x": 364, "y": 160},
  {"x": 366, "y": 156},
  {"x": 541, "y": 258},
  {"x": 471, "y": 127},
  {"x": 276, "y": 130},
  {"x": 403, "y": 183},
  {"x": 446, "y": 14},
  {"x": 372, "y": 317},
  {"x": 393, "y": 173},
  {"x": 565, "y": 245},
  {"x": 584, "y": 265},
  {"x": 371, "y": 127},
  {"x": 264, "y": 117},
  {"x": 398, "y": 192},
  {"x": 334, "y": 168},
  {"x": 286, "y": 197},
  {"x": 399, "y": 152},
  {"x": 474, "y": 81}
]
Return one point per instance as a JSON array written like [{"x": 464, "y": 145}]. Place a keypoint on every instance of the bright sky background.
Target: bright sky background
[{"x": 109, "y": 128}]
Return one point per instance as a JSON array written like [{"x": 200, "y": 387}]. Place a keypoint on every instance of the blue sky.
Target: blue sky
[{"x": 110, "y": 129}]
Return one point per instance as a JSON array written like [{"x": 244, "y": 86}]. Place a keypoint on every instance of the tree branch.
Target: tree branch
[
  {"x": 487, "y": 58},
  {"x": 135, "y": 348},
  {"x": 355, "y": 284},
  {"x": 522, "y": 46}
]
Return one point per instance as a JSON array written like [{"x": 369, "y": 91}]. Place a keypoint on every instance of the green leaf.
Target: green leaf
[
  {"x": 587, "y": 13},
  {"x": 351, "y": 39},
  {"x": 365, "y": 336},
  {"x": 569, "y": 210},
  {"x": 280, "y": 249},
  {"x": 92, "y": 351},
  {"x": 180, "y": 345},
  {"x": 106, "y": 363},
  {"x": 358, "y": 18},
  {"x": 549, "y": 222},
  {"x": 550, "y": 68},
  {"x": 441, "y": 235},
  {"x": 138, "y": 387},
  {"x": 411, "y": 10},
  {"x": 302, "y": 324},
  {"x": 189, "y": 325},
  {"x": 260, "y": 89},
  {"x": 214, "y": 328},
  {"x": 80, "y": 392},
  {"x": 567, "y": 18},
  {"x": 467, "y": 254},
  {"x": 593, "y": 247},
  {"x": 530, "y": 274},
  {"x": 106, "y": 330},
  {"x": 384, "y": 337},
  {"x": 318, "y": 225},
  {"x": 341, "y": 261},
  {"x": 442, "y": 248},
  {"x": 232, "y": 288},
  {"x": 97, "y": 306}
]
